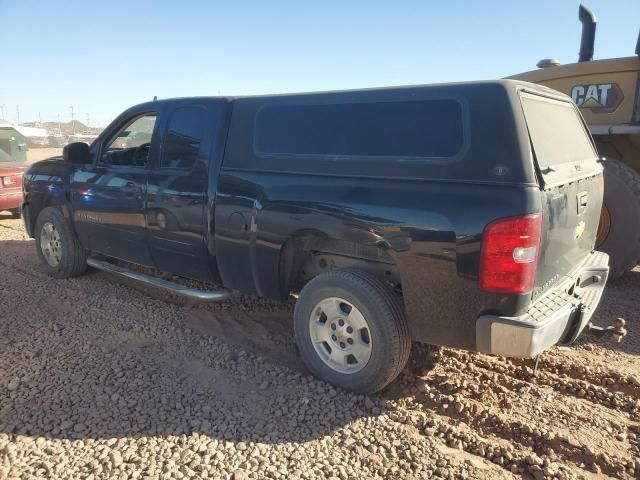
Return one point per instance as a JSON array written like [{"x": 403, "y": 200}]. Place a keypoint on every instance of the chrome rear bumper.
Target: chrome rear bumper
[{"x": 558, "y": 317}]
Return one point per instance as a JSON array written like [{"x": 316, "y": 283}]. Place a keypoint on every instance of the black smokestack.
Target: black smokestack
[{"x": 588, "y": 38}]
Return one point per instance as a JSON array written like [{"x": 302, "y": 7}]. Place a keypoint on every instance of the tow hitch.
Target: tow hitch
[{"x": 618, "y": 329}]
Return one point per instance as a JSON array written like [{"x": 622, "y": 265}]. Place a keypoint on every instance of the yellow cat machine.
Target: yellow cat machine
[{"x": 608, "y": 95}]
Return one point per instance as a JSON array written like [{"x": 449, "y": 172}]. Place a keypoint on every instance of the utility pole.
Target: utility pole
[
  {"x": 2, "y": 110},
  {"x": 88, "y": 122},
  {"x": 73, "y": 125},
  {"x": 39, "y": 120},
  {"x": 59, "y": 129},
  {"x": 17, "y": 115}
]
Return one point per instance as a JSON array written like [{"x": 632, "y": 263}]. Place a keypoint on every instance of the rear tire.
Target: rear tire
[
  {"x": 619, "y": 230},
  {"x": 16, "y": 213},
  {"x": 379, "y": 338},
  {"x": 59, "y": 250}
]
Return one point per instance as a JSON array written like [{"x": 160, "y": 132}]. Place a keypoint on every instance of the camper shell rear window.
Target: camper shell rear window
[{"x": 557, "y": 132}]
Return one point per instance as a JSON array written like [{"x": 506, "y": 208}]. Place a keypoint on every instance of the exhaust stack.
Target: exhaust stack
[{"x": 588, "y": 20}]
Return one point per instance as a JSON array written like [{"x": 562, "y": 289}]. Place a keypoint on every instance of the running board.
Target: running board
[{"x": 175, "y": 288}]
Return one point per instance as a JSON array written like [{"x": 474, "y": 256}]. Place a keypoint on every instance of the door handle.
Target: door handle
[
  {"x": 131, "y": 190},
  {"x": 583, "y": 200}
]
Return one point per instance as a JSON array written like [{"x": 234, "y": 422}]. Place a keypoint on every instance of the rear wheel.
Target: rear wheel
[
  {"x": 351, "y": 330},
  {"x": 619, "y": 228},
  {"x": 58, "y": 248}
]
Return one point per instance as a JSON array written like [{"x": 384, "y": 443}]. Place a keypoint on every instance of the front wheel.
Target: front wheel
[
  {"x": 351, "y": 330},
  {"x": 619, "y": 228},
  {"x": 58, "y": 248}
]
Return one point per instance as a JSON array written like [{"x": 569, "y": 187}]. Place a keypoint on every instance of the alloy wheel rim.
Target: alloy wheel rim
[
  {"x": 50, "y": 244},
  {"x": 340, "y": 335}
]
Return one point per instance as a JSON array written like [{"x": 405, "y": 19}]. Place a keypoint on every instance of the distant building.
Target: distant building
[
  {"x": 28, "y": 132},
  {"x": 13, "y": 142}
]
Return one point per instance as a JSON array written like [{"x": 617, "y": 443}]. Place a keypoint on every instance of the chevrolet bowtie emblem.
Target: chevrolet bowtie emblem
[{"x": 580, "y": 229}]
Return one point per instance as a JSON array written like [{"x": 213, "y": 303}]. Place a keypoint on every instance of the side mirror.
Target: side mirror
[{"x": 77, "y": 153}]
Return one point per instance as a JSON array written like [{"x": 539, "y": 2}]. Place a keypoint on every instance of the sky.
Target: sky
[{"x": 103, "y": 57}]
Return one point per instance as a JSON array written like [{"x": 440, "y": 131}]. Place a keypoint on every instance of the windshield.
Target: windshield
[{"x": 557, "y": 133}]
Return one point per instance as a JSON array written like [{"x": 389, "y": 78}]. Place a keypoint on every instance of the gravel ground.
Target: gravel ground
[{"x": 99, "y": 379}]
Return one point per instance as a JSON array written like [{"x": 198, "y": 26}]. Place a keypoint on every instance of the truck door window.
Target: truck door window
[
  {"x": 183, "y": 138},
  {"x": 131, "y": 145}
]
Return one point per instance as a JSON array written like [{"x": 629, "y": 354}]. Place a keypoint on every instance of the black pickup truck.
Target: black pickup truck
[{"x": 462, "y": 215}]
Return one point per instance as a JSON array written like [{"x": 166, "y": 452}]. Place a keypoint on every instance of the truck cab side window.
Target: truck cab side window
[
  {"x": 183, "y": 138},
  {"x": 131, "y": 145}
]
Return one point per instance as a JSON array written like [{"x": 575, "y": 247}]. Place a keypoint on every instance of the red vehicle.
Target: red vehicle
[{"x": 10, "y": 184}]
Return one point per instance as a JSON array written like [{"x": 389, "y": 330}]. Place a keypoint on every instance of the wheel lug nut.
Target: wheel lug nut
[
  {"x": 350, "y": 341},
  {"x": 333, "y": 326},
  {"x": 334, "y": 338},
  {"x": 349, "y": 330},
  {"x": 342, "y": 345},
  {"x": 341, "y": 322}
]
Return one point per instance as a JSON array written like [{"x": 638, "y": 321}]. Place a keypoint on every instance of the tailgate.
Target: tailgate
[{"x": 572, "y": 186}]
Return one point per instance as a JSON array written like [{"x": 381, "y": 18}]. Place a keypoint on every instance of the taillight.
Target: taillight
[
  {"x": 14, "y": 180},
  {"x": 509, "y": 256},
  {"x": 9, "y": 181}
]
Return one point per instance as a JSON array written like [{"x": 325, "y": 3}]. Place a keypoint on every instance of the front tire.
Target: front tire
[
  {"x": 59, "y": 250},
  {"x": 619, "y": 229},
  {"x": 351, "y": 330}
]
